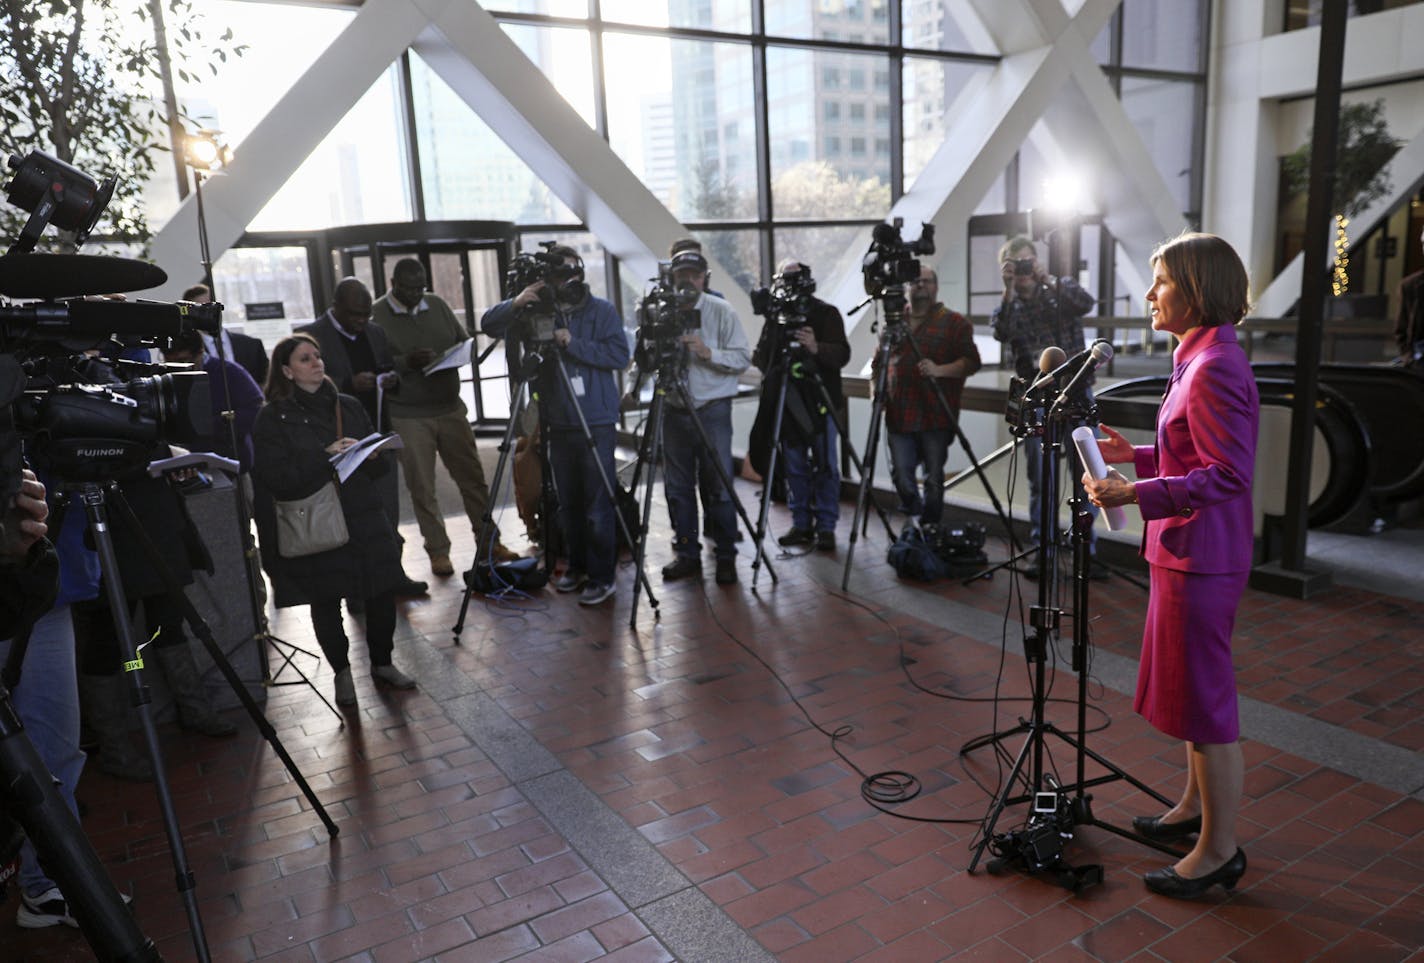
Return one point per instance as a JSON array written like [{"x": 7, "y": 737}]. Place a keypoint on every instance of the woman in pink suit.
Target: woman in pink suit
[{"x": 1194, "y": 492}]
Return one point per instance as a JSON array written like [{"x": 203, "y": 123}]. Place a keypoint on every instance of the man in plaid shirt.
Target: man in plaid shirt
[
  {"x": 918, "y": 429},
  {"x": 1038, "y": 311}
]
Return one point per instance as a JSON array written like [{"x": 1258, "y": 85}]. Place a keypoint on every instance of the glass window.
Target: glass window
[
  {"x": 246, "y": 275},
  {"x": 857, "y": 113},
  {"x": 857, "y": 80},
  {"x": 351, "y": 177},
  {"x": 553, "y": 8},
  {"x": 805, "y": 183},
  {"x": 731, "y": 16},
  {"x": 931, "y": 87},
  {"x": 1102, "y": 43},
  {"x": 566, "y": 58},
  {"x": 680, "y": 115},
  {"x": 820, "y": 19},
  {"x": 1163, "y": 112},
  {"x": 857, "y": 147},
  {"x": 821, "y": 248},
  {"x": 1162, "y": 34},
  {"x": 501, "y": 187},
  {"x": 833, "y": 147},
  {"x": 943, "y": 25},
  {"x": 832, "y": 109},
  {"x": 737, "y": 251}
]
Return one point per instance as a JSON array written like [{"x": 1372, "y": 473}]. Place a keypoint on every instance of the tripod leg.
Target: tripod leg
[
  {"x": 860, "y": 467},
  {"x": 93, "y": 498},
  {"x": 650, "y": 452},
  {"x": 722, "y": 474},
  {"x": 205, "y": 635},
  {"x": 872, "y": 447},
  {"x": 774, "y": 452}
]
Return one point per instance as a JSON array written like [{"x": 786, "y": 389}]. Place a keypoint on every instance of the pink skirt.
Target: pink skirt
[{"x": 1186, "y": 683}]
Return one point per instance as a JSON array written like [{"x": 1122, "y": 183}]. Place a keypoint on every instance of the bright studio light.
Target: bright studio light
[
  {"x": 1065, "y": 194},
  {"x": 205, "y": 151}
]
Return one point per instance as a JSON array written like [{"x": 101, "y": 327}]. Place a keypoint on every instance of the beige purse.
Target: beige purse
[{"x": 307, "y": 526}]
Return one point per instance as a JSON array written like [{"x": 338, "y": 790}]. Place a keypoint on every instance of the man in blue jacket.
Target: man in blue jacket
[{"x": 591, "y": 344}]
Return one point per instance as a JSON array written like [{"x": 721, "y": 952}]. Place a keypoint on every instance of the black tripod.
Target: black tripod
[
  {"x": 787, "y": 362},
  {"x": 894, "y": 332},
  {"x": 670, "y": 379},
  {"x": 94, "y": 496},
  {"x": 1039, "y": 846},
  {"x": 29, "y": 796}
]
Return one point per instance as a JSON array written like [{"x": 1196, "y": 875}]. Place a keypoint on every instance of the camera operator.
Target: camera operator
[
  {"x": 918, "y": 429},
  {"x": 1038, "y": 311},
  {"x": 591, "y": 342},
  {"x": 812, "y": 450},
  {"x": 47, "y": 696},
  {"x": 717, "y": 352}
]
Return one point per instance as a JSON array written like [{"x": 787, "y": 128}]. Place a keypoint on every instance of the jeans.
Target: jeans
[
  {"x": 908, "y": 451},
  {"x": 688, "y": 467},
  {"x": 585, "y": 508},
  {"x": 813, "y": 481},
  {"x": 47, "y": 702}
]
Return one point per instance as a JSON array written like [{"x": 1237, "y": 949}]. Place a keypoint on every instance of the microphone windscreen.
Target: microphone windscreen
[
  {"x": 1102, "y": 351},
  {"x": 1051, "y": 358}
]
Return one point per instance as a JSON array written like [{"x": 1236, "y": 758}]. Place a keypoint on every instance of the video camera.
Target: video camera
[
  {"x": 1038, "y": 847},
  {"x": 788, "y": 301},
  {"x": 665, "y": 314},
  {"x": 82, "y": 418},
  {"x": 890, "y": 263},
  {"x": 530, "y": 267}
]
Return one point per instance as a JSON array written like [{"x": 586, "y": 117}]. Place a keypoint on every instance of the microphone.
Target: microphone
[
  {"x": 1100, "y": 351},
  {"x": 1048, "y": 363}
]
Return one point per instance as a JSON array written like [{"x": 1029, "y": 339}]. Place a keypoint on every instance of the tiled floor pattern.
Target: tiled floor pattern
[{"x": 564, "y": 788}]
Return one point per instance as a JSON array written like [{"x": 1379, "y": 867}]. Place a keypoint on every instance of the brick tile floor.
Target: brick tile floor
[{"x": 747, "y": 786}]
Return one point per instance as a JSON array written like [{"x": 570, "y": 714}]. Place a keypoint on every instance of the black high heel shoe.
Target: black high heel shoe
[
  {"x": 1152, "y": 827},
  {"x": 1167, "y": 883}
]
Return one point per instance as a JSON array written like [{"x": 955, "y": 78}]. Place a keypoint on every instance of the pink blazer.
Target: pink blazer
[{"x": 1194, "y": 488}]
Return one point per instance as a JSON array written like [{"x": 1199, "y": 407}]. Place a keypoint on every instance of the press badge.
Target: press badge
[{"x": 577, "y": 382}]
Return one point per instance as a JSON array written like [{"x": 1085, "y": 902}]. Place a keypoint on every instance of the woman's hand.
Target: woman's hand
[
  {"x": 339, "y": 445},
  {"x": 1115, "y": 449},
  {"x": 1110, "y": 492}
]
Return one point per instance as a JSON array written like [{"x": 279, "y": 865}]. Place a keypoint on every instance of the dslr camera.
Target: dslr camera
[
  {"x": 541, "y": 318},
  {"x": 665, "y": 314},
  {"x": 891, "y": 262}
]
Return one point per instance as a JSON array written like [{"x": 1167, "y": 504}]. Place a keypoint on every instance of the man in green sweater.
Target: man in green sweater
[{"x": 428, "y": 413}]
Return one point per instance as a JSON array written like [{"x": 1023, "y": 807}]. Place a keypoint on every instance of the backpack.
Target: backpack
[{"x": 913, "y": 556}]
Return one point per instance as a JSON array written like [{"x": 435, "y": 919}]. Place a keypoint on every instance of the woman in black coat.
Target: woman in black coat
[{"x": 293, "y": 440}]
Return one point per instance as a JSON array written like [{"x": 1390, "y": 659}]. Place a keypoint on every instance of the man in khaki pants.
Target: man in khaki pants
[{"x": 428, "y": 413}]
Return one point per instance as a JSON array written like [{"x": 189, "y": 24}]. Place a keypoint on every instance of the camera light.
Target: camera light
[
  {"x": 205, "y": 151},
  {"x": 1065, "y": 193}
]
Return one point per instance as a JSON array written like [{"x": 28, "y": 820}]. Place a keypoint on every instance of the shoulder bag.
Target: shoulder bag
[{"x": 307, "y": 526}]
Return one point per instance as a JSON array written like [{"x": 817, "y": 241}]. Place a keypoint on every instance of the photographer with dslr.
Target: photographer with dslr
[
  {"x": 804, "y": 334},
  {"x": 918, "y": 429},
  {"x": 1038, "y": 311},
  {"x": 716, "y": 353},
  {"x": 561, "y": 323}
]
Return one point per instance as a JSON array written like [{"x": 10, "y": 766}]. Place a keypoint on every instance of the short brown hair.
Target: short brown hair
[
  {"x": 1014, "y": 243},
  {"x": 195, "y": 291},
  {"x": 279, "y": 387},
  {"x": 1210, "y": 276}
]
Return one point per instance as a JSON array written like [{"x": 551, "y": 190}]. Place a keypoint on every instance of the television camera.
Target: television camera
[
  {"x": 541, "y": 318},
  {"x": 891, "y": 262},
  {"x": 665, "y": 314}
]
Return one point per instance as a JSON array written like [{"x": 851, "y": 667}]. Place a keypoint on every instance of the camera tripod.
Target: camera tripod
[
  {"x": 540, "y": 358},
  {"x": 670, "y": 380},
  {"x": 94, "y": 495},
  {"x": 894, "y": 332},
  {"x": 1045, "y": 619},
  {"x": 786, "y": 363}
]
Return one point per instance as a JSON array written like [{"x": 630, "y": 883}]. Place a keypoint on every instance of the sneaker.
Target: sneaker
[
  {"x": 684, "y": 566},
  {"x": 440, "y": 565},
  {"x": 49, "y": 908},
  {"x": 797, "y": 537},
  {"x": 726, "y": 571},
  {"x": 826, "y": 540},
  {"x": 570, "y": 581},
  {"x": 345, "y": 688},
  {"x": 391, "y": 676},
  {"x": 596, "y": 592}
]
